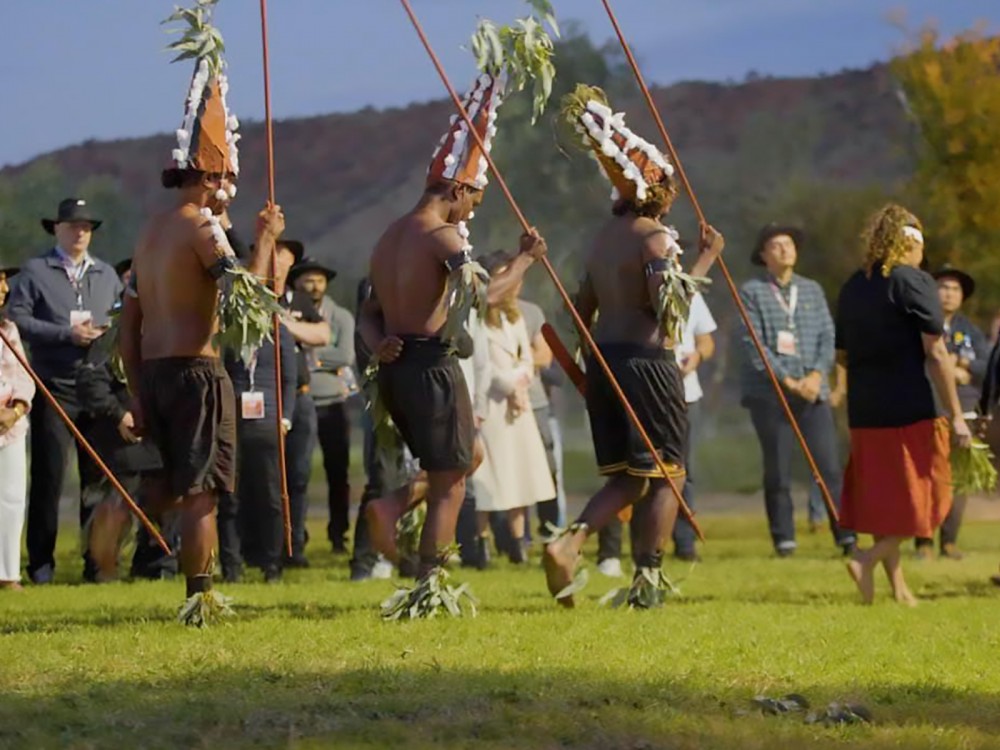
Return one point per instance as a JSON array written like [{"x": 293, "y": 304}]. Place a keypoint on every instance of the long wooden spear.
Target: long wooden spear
[
  {"x": 584, "y": 332},
  {"x": 87, "y": 447},
  {"x": 740, "y": 307},
  {"x": 286, "y": 511}
]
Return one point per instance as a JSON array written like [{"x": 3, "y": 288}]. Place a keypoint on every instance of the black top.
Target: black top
[
  {"x": 965, "y": 340},
  {"x": 879, "y": 324},
  {"x": 303, "y": 309},
  {"x": 105, "y": 400}
]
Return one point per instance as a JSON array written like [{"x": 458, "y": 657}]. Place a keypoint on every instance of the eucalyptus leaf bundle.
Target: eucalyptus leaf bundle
[
  {"x": 673, "y": 305},
  {"x": 649, "y": 590},
  {"x": 431, "y": 596},
  {"x": 246, "y": 313},
  {"x": 409, "y": 529},
  {"x": 200, "y": 40},
  {"x": 205, "y": 608},
  {"x": 466, "y": 291},
  {"x": 972, "y": 469},
  {"x": 523, "y": 51}
]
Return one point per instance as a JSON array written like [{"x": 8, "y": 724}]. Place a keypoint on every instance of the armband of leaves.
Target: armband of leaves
[
  {"x": 675, "y": 294},
  {"x": 466, "y": 291},
  {"x": 246, "y": 313}
]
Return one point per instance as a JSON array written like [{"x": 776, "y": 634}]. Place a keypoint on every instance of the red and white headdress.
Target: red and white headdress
[
  {"x": 458, "y": 156},
  {"x": 207, "y": 138}
]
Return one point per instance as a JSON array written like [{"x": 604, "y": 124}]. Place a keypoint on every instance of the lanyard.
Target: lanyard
[
  {"x": 790, "y": 305},
  {"x": 75, "y": 275},
  {"x": 252, "y": 368}
]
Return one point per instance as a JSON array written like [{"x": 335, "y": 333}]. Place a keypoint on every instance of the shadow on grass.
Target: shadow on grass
[
  {"x": 50, "y": 622},
  {"x": 397, "y": 703}
]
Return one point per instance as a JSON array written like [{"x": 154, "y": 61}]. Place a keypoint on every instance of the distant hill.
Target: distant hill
[{"x": 342, "y": 177}]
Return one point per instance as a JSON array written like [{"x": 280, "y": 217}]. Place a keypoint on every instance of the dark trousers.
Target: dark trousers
[
  {"x": 609, "y": 539},
  {"x": 951, "y": 525},
  {"x": 299, "y": 446},
  {"x": 547, "y": 510},
  {"x": 364, "y": 556},
  {"x": 778, "y": 445},
  {"x": 51, "y": 441},
  {"x": 251, "y": 526},
  {"x": 149, "y": 560},
  {"x": 334, "y": 432}
]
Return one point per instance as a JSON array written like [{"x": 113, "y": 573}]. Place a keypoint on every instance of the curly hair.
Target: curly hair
[
  {"x": 884, "y": 240},
  {"x": 659, "y": 199}
]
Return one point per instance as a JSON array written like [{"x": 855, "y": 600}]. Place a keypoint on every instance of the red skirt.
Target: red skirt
[{"x": 898, "y": 480}]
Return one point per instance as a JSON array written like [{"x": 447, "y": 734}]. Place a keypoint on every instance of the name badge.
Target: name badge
[
  {"x": 786, "y": 344},
  {"x": 252, "y": 405},
  {"x": 80, "y": 317}
]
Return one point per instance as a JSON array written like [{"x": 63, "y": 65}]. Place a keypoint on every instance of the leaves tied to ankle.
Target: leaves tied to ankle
[
  {"x": 649, "y": 590},
  {"x": 972, "y": 469},
  {"x": 246, "y": 313},
  {"x": 205, "y": 608},
  {"x": 431, "y": 596}
]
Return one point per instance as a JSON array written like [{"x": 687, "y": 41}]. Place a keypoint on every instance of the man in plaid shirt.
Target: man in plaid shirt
[{"x": 792, "y": 319}]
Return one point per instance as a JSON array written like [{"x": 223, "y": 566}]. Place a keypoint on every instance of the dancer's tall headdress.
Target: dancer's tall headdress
[{"x": 207, "y": 138}]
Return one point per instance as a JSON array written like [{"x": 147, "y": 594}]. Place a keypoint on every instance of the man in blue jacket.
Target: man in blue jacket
[{"x": 59, "y": 303}]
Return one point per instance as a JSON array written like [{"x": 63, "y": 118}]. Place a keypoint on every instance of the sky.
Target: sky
[{"x": 72, "y": 70}]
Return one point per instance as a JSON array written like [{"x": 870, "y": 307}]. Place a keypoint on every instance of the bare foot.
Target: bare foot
[
  {"x": 904, "y": 596},
  {"x": 864, "y": 579},
  {"x": 382, "y": 514},
  {"x": 559, "y": 561},
  {"x": 11, "y": 586}
]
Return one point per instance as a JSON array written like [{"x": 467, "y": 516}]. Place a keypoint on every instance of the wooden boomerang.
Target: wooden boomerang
[{"x": 574, "y": 373}]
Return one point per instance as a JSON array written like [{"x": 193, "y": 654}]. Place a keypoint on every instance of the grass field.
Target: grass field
[{"x": 308, "y": 664}]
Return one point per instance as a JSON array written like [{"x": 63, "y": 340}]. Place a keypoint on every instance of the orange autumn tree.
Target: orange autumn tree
[{"x": 951, "y": 89}]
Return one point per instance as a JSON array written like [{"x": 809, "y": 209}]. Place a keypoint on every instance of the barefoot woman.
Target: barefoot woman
[{"x": 890, "y": 337}]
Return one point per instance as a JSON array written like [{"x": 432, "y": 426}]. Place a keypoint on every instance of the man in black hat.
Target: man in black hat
[
  {"x": 792, "y": 320},
  {"x": 60, "y": 303},
  {"x": 310, "y": 331},
  {"x": 970, "y": 354},
  {"x": 333, "y": 383}
]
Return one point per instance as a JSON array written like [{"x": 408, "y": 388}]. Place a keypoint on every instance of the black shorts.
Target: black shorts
[
  {"x": 190, "y": 414},
  {"x": 424, "y": 391},
  {"x": 652, "y": 383}
]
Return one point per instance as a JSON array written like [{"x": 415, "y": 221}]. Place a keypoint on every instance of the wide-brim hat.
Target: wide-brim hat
[
  {"x": 773, "y": 230},
  {"x": 967, "y": 283},
  {"x": 310, "y": 265},
  {"x": 9, "y": 271},
  {"x": 71, "y": 209},
  {"x": 122, "y": 266}
]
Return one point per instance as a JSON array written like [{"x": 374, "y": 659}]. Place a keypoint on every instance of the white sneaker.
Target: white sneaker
[
  {"x": 382, "y": 570},
  {"x": 611, "y": 568}
]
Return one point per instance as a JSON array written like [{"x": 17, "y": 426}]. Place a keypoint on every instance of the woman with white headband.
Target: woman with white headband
[{"x": 890, "y": 338}]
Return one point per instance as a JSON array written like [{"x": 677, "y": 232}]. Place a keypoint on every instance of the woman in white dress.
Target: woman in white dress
[
  {"x": 514, "y": 474},
  {"x": 16, "y": 392}
]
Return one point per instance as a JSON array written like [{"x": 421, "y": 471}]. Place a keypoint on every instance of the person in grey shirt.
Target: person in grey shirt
[
  {"x": 332, "y": 383},
  {"x": 60, "y": 303}
]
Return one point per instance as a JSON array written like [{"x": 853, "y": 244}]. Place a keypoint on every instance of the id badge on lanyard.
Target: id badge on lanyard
[
  {"x": 252, "y": 401},
  {"x": 79, "y": 316},
  {"x": 787, "y": 345}
]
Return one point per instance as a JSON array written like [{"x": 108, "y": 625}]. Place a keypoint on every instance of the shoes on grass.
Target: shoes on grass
[
  {"x": 925, "y": 553},
  {"x": 610, "y": 568},
  {"x": 43, "y": 575},
  {"x": 951, "y": 552},
  {"x": 382, "y": 570}
]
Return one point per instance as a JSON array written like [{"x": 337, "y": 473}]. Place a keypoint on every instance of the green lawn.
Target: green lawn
[{"x": 308, "y": 664}]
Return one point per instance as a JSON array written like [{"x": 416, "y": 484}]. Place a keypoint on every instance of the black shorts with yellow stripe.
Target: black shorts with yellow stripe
[{"x": 652, "y": 382}]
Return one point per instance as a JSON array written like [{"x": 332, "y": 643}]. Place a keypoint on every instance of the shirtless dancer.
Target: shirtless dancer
[
  {"x": 419, "y": 378},
  {"x": 182, "y": 398},
  {"x": 632, "y": 257}
]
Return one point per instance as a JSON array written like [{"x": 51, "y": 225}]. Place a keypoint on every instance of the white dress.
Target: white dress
[{"x": 515, "y": 472}]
